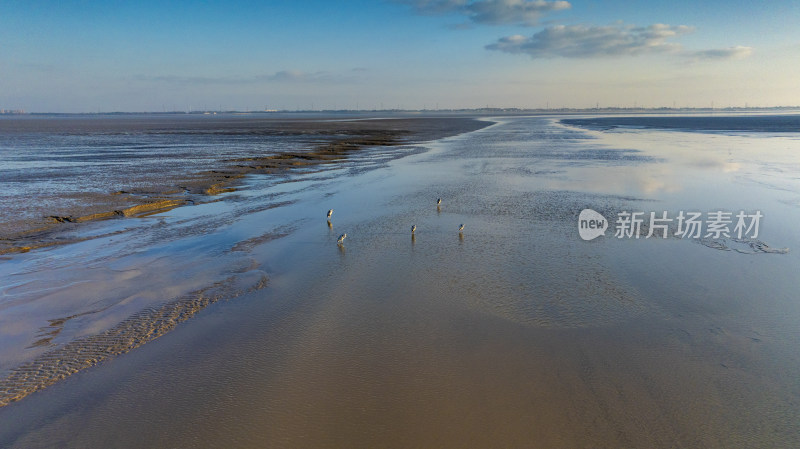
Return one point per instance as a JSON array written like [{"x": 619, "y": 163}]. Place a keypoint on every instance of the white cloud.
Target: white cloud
[
  {"x": 581, "y": 41},
  {"x": 490, "y": 12},
  {"x": 499, "y": 12},
  {"x": 287, "y": 75},
  {"x": 435, "y": 7},
  {"x": 283, "y": 76},
  {"x": 738, "y": 52},
  {"x": 297, "y": 76}
]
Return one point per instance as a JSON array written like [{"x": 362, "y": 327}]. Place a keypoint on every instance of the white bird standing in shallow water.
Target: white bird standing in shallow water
[
  {"x": 330, "y": 212},
  {"x": 413, "y": 228},
  {"x": 341, "y": 239},
  {"x": 460, "y": 227}
]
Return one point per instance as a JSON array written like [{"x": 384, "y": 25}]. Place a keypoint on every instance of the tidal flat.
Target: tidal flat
[{"x": 241, "y": 322}]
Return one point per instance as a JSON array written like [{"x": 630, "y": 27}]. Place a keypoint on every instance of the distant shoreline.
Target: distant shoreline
[{"x": 392, "y": 113}]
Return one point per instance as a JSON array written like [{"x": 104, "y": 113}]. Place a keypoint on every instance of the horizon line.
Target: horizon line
[{"x": 19, "y": 112}]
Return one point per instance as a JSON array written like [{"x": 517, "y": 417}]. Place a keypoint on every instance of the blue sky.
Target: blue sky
[{"x": 86, "y": 56}]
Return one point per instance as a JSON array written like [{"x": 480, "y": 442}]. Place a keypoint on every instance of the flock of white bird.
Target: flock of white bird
[{"x": 341, "y": 238}]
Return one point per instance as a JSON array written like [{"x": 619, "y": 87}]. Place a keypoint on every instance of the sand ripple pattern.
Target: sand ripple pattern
[{"x": 131, "y": 333}]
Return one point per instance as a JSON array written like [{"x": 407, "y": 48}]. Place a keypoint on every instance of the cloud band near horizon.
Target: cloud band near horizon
[{"x": 582, "y": 41}]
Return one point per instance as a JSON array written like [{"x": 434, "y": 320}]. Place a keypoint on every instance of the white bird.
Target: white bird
[
  {"x": 341, "y": 238},
  {"x": 460, "y": 227},
  {"x": 413, "y": 228},
  {"x": 330, "y": 212}
]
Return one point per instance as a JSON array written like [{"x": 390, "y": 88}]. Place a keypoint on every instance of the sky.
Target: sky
[{"x": 105, "y": 56}]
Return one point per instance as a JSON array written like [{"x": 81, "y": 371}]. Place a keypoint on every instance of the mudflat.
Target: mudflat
[
  {"x": 513, "y": 332},
  {"x": 72, "y": 169}
]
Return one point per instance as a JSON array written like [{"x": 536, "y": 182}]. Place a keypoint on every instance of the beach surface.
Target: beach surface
[
  {"x": 66, "y": 169},
  {"x": 512, "y": 333}
]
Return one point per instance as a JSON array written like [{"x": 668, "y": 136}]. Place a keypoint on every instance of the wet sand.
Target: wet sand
[
  {"x": 513, "y": 334},
  {"x": 60, "y": 311},
  {"x": 27, "y": 224}
]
